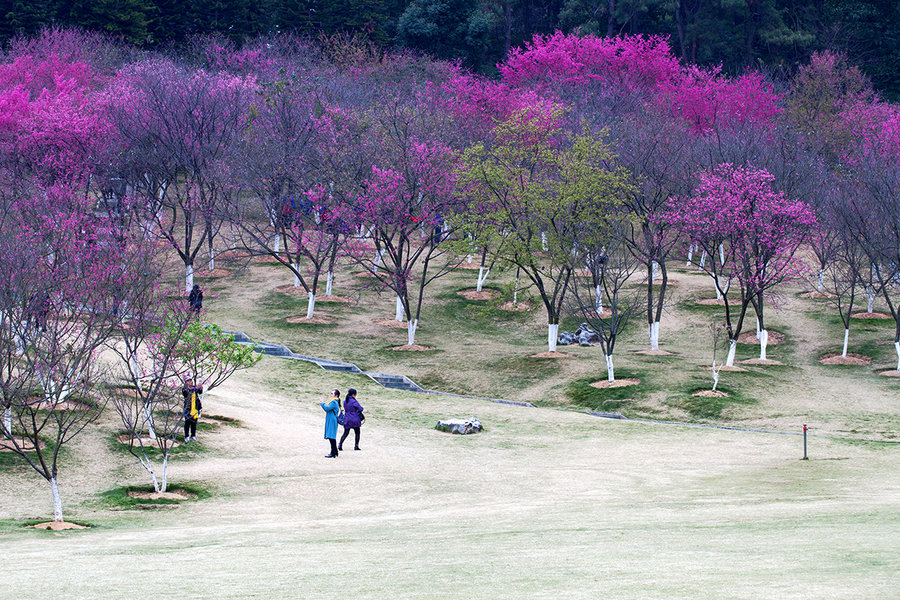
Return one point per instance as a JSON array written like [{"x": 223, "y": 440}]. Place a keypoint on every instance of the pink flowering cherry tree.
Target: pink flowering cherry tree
[{"x": 751, "y": 234}]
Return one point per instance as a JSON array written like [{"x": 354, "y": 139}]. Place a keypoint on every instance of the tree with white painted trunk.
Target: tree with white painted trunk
[
  {"x": 186, "y": 123},
  {"x": 618, "y": 266},
  {"x": 736, "y": 214},
  {"x": 539, "y": 182}
]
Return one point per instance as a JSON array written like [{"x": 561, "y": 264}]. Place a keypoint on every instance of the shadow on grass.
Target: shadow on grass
[{"x": 121, "y": 497}]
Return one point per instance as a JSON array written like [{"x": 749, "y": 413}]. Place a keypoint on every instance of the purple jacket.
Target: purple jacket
[{"x": 352, "y": 409}]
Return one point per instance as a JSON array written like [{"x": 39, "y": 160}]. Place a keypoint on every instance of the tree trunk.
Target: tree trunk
[
  {"x": 411, "y": 327},
  {"x": 715, "y": 374},
  {"x": 311, "y": 306},
  {"x": 165, "y": 473},
  {"x": 846, "y": 341},
  {"x": 702, "y": 259},
  {"x": 654, "y": 270},
  {"x": 544, "y": 244},
  {"x": 654, "y": 335},
  {"x": 7, "y": 420},
  {"x": 482, "y": 276},
  {"x": 398, "y": 312},
  {"x": 870, "y": 294},
  {"x": 732, "y": 348},
  {"x": 598, "y": 292},
  {"x": 151, "y": 426},
  {"x": 610, "y": 369},
  {"x": 378, "y": 257},
  {"x": 329, "y": 280},
  {"x": 552, "y": 336},
  {"x": 212, "y": 257},
  {"x": 188, "y": 278},
  {"x": 276, "y": 245},
  {"x": 516, "y": 290},
  {"x": 820, "y": 282},
  {"x": 897, "y": 348},
  {"x": 763, "y": 342},
  {"x": 690, "y": 255},
  {"x": 296, "y": 277},
  {"x": 758, "y": 329},
  {"x": 718, "y": 286},
  {"x": 57, "y": 501}
]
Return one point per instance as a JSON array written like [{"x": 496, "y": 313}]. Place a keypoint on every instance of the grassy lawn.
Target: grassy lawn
[{"x": 547, "y": 502}]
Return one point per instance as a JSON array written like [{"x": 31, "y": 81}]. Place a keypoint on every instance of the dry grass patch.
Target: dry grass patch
[
  {"x": 292, "y": 290},
  {"x": 709, "y": 302},
  {"x": 618, "y": 383},
  {"x": 392, "y": 323},
  {"x": 653, "y": 353},
  {"x": 520, "y": 307},
  {"x": 551, "y": 355},
  {"x": 412, "y": 348},
  {"x": 314, "y": 320},
  {"x": 725, "y": 369},
  {"x": 850, "y": 359},
  {"x": 214, "y": 273}
]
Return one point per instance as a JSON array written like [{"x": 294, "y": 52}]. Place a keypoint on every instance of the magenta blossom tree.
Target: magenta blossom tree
[{"x": 750, "y": 233}]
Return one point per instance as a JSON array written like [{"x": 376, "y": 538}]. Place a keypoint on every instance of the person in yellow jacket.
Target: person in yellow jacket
[{"x": 192, "y": 408}]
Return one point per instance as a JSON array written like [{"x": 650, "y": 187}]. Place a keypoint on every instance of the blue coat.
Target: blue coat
[
  {"x": 352, "y": 409},
  {"x": 331, "y": 412}
]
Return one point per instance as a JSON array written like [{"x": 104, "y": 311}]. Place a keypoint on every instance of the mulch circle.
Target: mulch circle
[
  {"x": 412, "y": 348},
  {"x": 871, "y": 315},
  {"x": 710, "y": 394},
  {"x": 606, "y": 384},
  {"x": 551, "y": 355},
  {"x": 749, "y": 337},
  {"x": 761, "y": 361},
  {"x": 891, "y": 373},
  {"x": 520, "y": 307},
  {"x": 59, "y": 526},
  {"x": 850, "y": 359},
  {"x": 173, "y": 495},
  {"x": 24, "y": 443},
  {"x": 474, "y": 294},
  {"x": 653, "y": 353},
  {"x": 315, "y": 320}
]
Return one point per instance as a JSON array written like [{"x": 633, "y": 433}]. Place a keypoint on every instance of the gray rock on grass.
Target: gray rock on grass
[{"x": 459, "y": 426}]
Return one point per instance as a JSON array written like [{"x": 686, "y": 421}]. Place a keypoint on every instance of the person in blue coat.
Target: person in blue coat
[
  {"x": 353, "y": 418},
  {"x": 331, "y": 414}
]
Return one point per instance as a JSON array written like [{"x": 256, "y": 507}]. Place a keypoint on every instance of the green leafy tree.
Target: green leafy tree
[{"x": 535, "y": 187}]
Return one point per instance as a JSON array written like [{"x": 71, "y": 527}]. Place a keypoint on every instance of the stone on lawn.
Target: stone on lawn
[{"x": 460, "y": 426}]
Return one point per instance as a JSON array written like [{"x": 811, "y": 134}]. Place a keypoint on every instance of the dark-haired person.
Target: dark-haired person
[
  {"x": 353, "y": 418},
  {"x": 195, "y": 298},
  {"x": 192, "y": 408},
  {"x": 331, "y": 413}
]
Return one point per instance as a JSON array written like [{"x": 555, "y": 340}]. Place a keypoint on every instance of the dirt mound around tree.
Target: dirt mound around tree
[
  {"x": 710, "y": 394},
  {"x": 293, "y": 290},
  {"x": 891, "y": 373},
  {"x": 749, "y": 337},
  {"x": 871, "y": 315},
  {"x": 816, "y": 295},
  {"x": 173, "y": 495},
  {"x": 653, "y": 353},
  {"x": 24, "y": 443},
  {"x": 606, "y": 384},
  {"x": 850, "y": 359},
  {"x": 412, "y": 348},
  {"x": 520, "y": 307},
  {"x": 59, "y": 526},
  {"x": 474, "y": 294},
  {"x": 339, "y": 299},
  {"x": 761, "y": 361}
]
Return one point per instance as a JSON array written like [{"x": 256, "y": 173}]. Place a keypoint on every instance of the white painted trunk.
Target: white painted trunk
[
  {"x": 721, "y": 254},
  {"x": 148, "y": 419},
  {"x": 654, "y": 269},
  {"x": 763, "y": 343},
  {"x": 846, "y": 342},
  {"x": 654, "y": 335},
  {"x": 276, "y": 245},
  {"x": 398, "y": 311},
  {"x": 552, "y": 336},
  {"x": 690, "y": 255},
  {"x": 598, "y": 293},
  {"x": 758, "y": 330},
  {"x": 702, "y": 259},
  {"x": 715, "y": 374},
  {"x": 411, "y": 327},
  {"x": 212, "y": 260},
  {"x": 469, "y": 258},
  {"x": 820, "y": 282},
  {"x": 311, "y": 305},
  {"x": 897, "y": 348},
  {"x": 329, "y": 280},
  {"x": 296, "y": 277},
  {"x": 378, "y": 257},
  {"x": 188, "y": 278},
  {"x": 516, "y": 293},
  {"x": 165, "y": 473},
  {"x": 57, "y": 501},
  {"x": 544, "y": 241},
  {"x": 7, "y": 421},
  {"x": 610, "y": 369},
  {"x": 732, "y": 348},
  {"x": 870, "y": 295},
  {"x": 718, "y": 284},
  {"x": 482, "y": 276}
]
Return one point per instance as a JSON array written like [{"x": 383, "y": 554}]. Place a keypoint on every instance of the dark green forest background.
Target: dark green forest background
[{"x": 773, "y": 35}]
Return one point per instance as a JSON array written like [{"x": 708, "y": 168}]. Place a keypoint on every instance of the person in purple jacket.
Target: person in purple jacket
[{"x": 353, "y": 418}]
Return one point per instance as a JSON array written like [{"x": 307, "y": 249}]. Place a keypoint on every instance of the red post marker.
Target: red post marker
[{"x": 805, "y": 457}]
